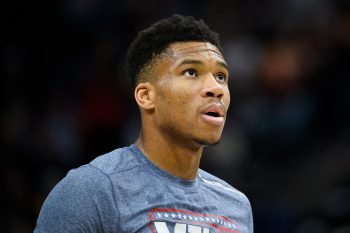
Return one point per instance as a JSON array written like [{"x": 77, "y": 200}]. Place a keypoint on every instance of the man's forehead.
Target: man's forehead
[{"x": 190, "y": 48}]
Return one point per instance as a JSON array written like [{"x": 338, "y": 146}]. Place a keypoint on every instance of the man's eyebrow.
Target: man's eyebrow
[
  {"x": 191, "y": 61},
  {"x": 198, "y": 62},
  {"x": 223, "y": 64}
]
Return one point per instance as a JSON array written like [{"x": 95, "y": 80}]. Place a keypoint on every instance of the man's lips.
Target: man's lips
[
  {"x": 214, "y": 114},
  {"x": 215, "y": 109}
]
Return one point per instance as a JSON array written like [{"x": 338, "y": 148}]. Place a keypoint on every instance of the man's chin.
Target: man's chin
[{"x": 204, "y": 142}]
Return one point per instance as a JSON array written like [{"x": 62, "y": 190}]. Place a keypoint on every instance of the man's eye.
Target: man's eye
[
  {"x": 191, "y": 73},
  {"x": 221, "y": 77}
]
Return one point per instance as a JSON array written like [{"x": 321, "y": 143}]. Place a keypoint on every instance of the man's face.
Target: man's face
[{"x": 192, "y": 95}]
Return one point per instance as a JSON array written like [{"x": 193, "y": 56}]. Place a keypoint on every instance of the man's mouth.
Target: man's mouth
[{"x": 214, "y": 114}]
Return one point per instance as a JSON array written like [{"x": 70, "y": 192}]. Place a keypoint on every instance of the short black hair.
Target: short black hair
[{"x": 156, "y": 39}]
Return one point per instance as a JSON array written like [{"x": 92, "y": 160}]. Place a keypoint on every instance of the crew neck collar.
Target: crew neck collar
[{"x": 188, "y": 183}]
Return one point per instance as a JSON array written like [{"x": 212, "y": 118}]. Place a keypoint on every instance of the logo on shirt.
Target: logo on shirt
[{"x": 168, "y": 220}]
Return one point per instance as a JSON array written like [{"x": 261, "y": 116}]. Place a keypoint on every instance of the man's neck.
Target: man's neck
[{"x": 177, "y": 160}]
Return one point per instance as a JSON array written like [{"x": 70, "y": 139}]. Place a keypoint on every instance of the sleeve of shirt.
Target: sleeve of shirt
[
  {"x": 251, "y": 222},
  {"x": 82, "y": 202}
]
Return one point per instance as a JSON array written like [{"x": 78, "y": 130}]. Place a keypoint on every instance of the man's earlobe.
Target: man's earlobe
[{"x": 144, "y": 95}]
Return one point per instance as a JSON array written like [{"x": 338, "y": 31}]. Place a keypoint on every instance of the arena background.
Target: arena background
[{"x": 286, "y": 145}]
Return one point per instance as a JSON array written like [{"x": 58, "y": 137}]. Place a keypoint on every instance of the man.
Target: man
[{"x": 180, "y": 82}]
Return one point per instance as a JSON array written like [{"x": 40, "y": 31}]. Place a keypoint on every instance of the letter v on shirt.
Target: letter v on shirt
[{"x": 162, "y": 227}]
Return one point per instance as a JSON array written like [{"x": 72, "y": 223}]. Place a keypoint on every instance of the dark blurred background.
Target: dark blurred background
[{"x": 286, "y": 145}]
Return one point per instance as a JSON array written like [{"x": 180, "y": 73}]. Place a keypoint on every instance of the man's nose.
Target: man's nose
[{"x": 212, "y": 88}]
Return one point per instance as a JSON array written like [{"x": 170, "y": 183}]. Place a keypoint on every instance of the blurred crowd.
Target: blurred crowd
[{"x": 286, "y": 143}]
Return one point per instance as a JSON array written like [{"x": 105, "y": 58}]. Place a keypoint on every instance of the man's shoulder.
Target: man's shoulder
[
  {"x": 99, "y": 171},
  {"x": 219, "y": 185},
  {"x": 118, "y": 160}
]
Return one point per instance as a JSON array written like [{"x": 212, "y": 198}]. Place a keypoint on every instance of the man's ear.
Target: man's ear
[{"x": 144, "y": 95}]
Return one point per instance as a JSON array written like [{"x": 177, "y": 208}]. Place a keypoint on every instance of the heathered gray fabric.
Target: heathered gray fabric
[{"x": 122, "y": 191}]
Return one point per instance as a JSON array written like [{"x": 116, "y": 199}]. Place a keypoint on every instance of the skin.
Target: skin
[{"x": 186, "y": 80}]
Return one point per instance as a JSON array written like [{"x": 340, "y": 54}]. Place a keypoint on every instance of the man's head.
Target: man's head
[
  {"x": 180, "y": 81},
  {"x": 153, "y": 41}
]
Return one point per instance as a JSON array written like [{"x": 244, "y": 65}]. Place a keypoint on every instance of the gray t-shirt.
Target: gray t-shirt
[{"x": 122, "y": 191}]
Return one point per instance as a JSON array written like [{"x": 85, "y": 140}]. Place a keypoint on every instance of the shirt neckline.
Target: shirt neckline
[{"x": 186, "y": 183}]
